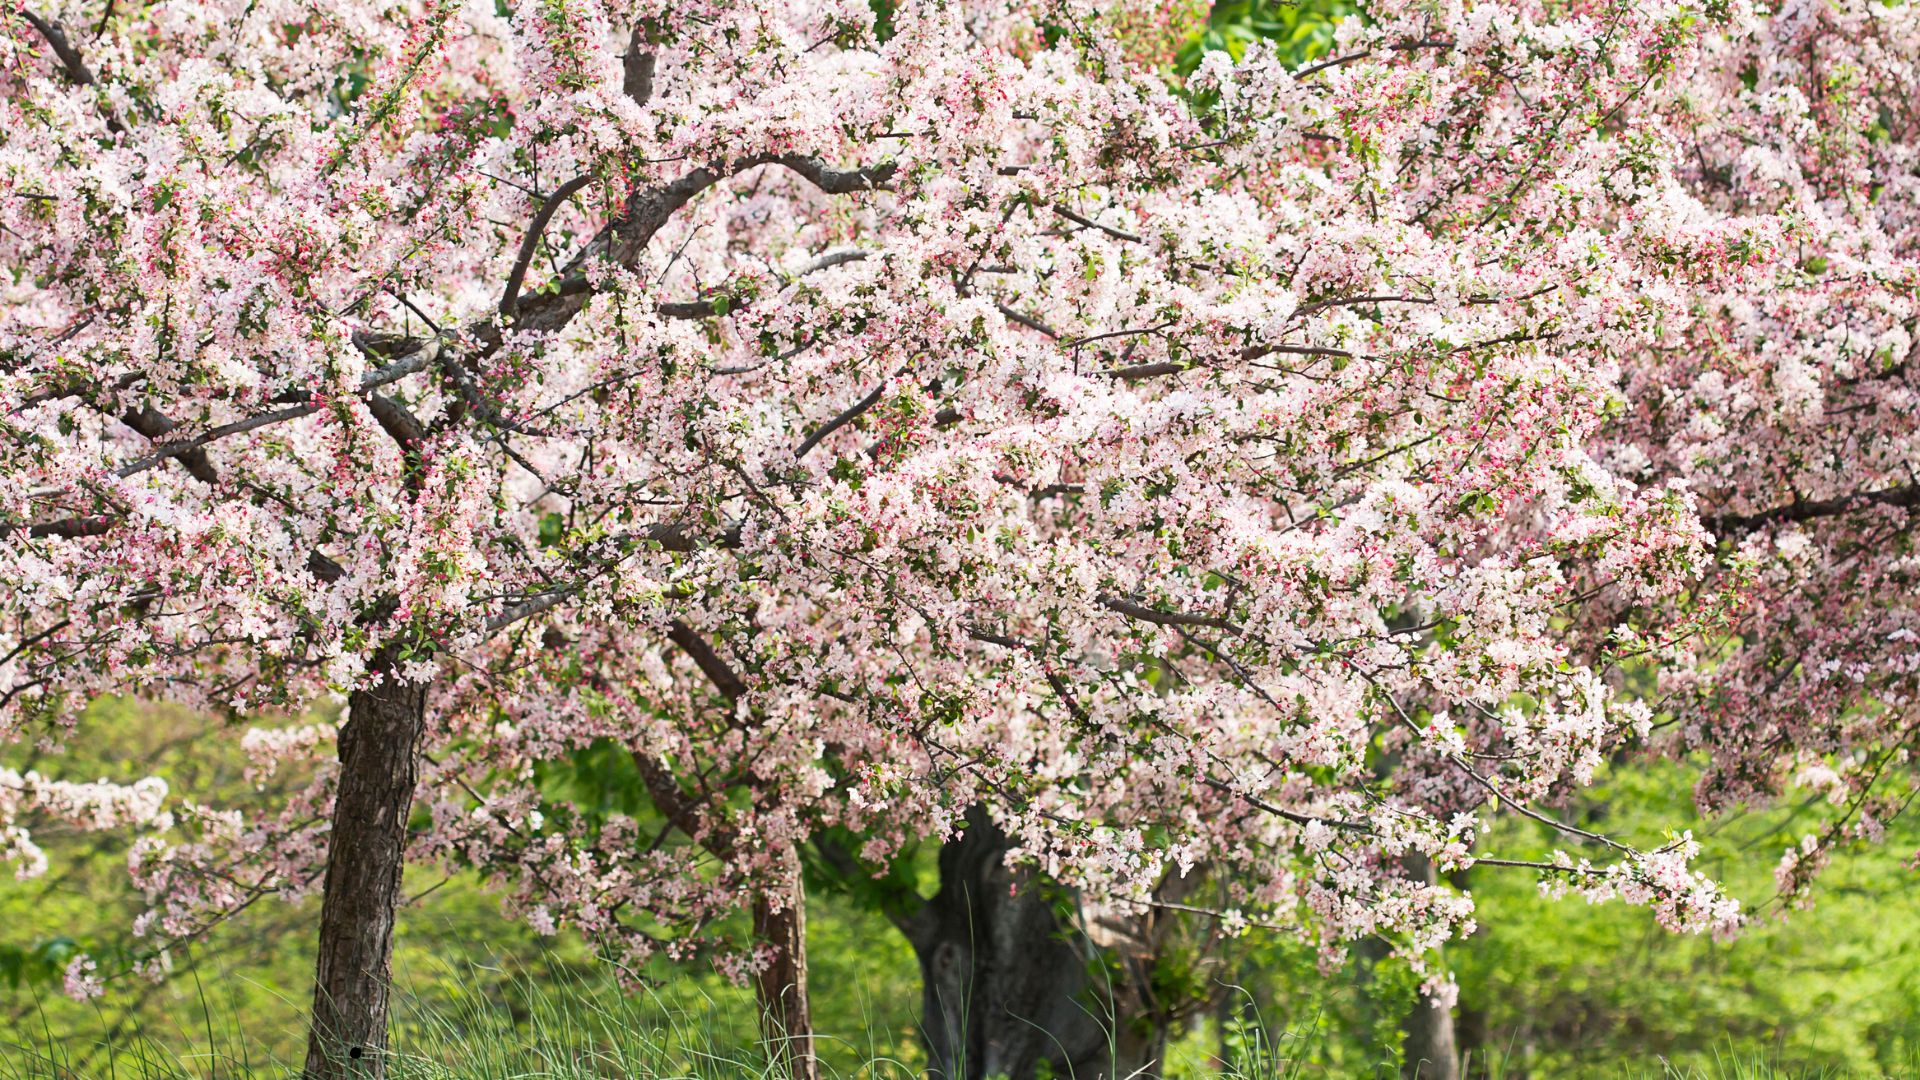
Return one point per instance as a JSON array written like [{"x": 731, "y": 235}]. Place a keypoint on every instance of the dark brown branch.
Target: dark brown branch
[
  {"x": 1134, "y": 372},
  {"x": 706, "y": 309},
  {"x": 1077, "y": 219},
  {"x": 415, "y": 361},
  {"x": 907, "y": 911},
  {"x": 620, "y": 242},
  {"x": 1398, "y": 46},
  {"x": 829, "y": 259},
  {"x": 667, "y": 798},
  {"x": 188, "y": 446},
  {"x": 1132, "y": 331},
  {"x": 1903, "y": 497},
  {"x": 529, "y": 244},
  {"x": 838, "y": 181},
  {"x": 710, "y": 662},
  {"x": 186, "y": 450},
  {"x": 324, "y": 568},
  {"x": 1348, "y": 301},
  {"x": 696, "y": 309},
  {"x": 839, "y": 422},
  {"x": 1028, "y": 321},
  {"x": 1144, "y": 613},
  {"x": 149, "y": 422},
  {"x": 681, "y": 538},
  {"x": 649, "y": 210},
  {"x": 77, "y": 71},
  {"x": 1294, "y": 816},
  {"x": 396, "y": 420},
  {"x": 35, "y": 639},
  {"x": 1259, "y": 351},
  {"x": 70, "y": 528},
  {"x": 76, "y": 68},
  {"x": 982, "y": 634},
  {"x": 670, "y": 537},
  {"x": 546, "y": 601},
  {"x": 1154, "y": 370}
]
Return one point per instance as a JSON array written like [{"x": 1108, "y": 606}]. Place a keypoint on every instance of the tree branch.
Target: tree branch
[
  {"x": 510, "y": 298},
  {"x": 838, "y": 422},
  {"x": 190, "y": 449},
  {"x": 837, "y": 181},
  {"x": 907, "y": 910},
  {"x": 637, "y": 68},
  {"x": 648, "y": 210},
  {"x": 394, "y": 372},
  {"x": 405, "y": 428},
  {"x": 1903, "y": 497},
  {"x": 710, "y": 662},
  {"x": 1165, "y": 618},
  {"x": 1027, "y": 321},
  {"x": 151, "y": 423},
  {"x": 76, "y": 68},
  {"x": 188, "y": 446},
  {"x": 1077, "y": 219},
  {"x": 69, "y": 528},
  {"x": 77, "y": 71},
  {"x": 705, "y": 309}
]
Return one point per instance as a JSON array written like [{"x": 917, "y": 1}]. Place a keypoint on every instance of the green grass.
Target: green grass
[{"x": 587, "y": 1029}]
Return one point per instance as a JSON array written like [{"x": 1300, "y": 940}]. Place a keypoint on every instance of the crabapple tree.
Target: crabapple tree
[{"x": 835, "y": 422}]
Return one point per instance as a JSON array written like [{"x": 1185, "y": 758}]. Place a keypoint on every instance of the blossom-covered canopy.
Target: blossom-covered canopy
[{"x": 854, "y": 418}]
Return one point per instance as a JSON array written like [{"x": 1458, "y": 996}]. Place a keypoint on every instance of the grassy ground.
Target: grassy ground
[{"x": 586, "y": 1030}]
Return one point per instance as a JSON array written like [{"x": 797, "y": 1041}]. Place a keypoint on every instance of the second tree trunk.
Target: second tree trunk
[{"x": 1010, "y": 984}]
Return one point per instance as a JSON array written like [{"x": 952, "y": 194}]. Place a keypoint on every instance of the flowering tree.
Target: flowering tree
[
  {"x": 845, "y": 421},
  {"x": 1789, "y": 409}
]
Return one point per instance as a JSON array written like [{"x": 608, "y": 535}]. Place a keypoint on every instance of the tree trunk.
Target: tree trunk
[
  {"x": 786, "y": 1017},
  {"x": 1009, "y": 983},
  {"x": 1430, "y": 1049},
  {"x": 1432, "y": 1052},
  {"x": 379, "y": 763}
]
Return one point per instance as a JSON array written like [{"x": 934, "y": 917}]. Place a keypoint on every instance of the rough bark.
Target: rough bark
[
  {"x": 779, "y": 922},
  {"x": 379, "y": 764},
  {"x": 1430, "y": 1050},
  {"x": 1009, "y": 984},
  {"x": 786, "y": 1017}
]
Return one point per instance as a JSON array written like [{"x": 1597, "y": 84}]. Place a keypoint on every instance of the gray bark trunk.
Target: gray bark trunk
[
  {"x": 786, "y": 1015},
  {"x": 1432, "y": 1052},
  {"x": 1009, "y": 984},
  {"x": 379, "y": 764},
  {"x": 1430, "y": 1049}
]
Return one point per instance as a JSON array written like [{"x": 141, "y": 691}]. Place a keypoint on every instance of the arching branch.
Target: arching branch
[{"x": 529, "y": 244}]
